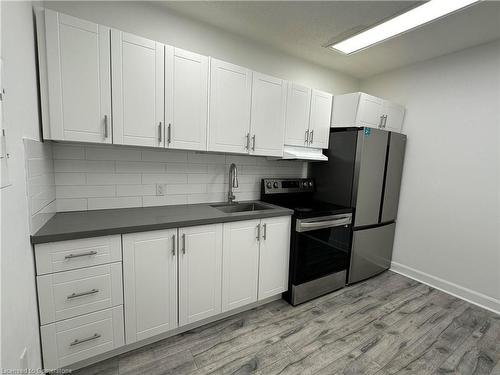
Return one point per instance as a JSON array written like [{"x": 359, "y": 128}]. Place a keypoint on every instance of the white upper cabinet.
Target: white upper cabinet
[
  {"x": 150, "y": 283},
  {"x": 359, "y": 109},
  {"x": 138, "y": 90},
  {"x": 230, "y": 96},
  {"x": 319, "y": 122},
  {"x": 267, "y": 126},
  {"x": 77, "y": 76},
  {"x": 394, "y": 116},
  {"x": 186, "y": 99},
  {"x": 200, "y": 272},
  {"x": 240, "y": 267},
  {"x": 274, "y": 256},
  {"x": 298, "y": 106}
]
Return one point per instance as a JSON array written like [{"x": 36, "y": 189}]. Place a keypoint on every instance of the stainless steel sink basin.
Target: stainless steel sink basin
[{"x": 241, "y": 207}]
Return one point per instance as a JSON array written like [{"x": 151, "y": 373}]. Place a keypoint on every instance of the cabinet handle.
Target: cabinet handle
[
  {"x": 248, "y": 142},
  {"x": 159, "y": 132},
  {"x": 253, "y": 142},
  {"x": 81, "y": 341},
  {"x": 381, "y": 124},
  {"x": 106, "y": 131},
  {"x": 385, "y": 121},
  {"x": 71, "y": 256},
  {"x": 307, "y": 136},
  {"x": 173, "y": 245},
  {"x": 264, "y": 235},
  {"x": 76, "y": 295},
  {"x": 169, "y": 139},
  {"x": 184, "y": 243},
  {"x": 258, "y": 232},
  {"x": 311, "y": 136}
]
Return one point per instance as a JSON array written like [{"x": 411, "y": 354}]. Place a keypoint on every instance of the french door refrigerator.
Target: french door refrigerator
[{"x": 364, "y": 171}]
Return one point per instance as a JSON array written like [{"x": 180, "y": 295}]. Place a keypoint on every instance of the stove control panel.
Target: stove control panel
[{"x": 287, "y": 185}]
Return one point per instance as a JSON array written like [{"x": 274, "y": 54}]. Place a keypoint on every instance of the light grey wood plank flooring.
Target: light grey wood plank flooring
[{"x": 386, "y": 325}]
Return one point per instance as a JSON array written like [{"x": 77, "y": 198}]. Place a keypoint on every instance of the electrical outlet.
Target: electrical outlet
[
  {"x": 23, "y": 359},
  {"x": 161, "y": 189}
]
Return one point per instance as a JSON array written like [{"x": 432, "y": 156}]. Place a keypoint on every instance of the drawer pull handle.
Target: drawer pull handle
[
  {"x": 81, "y": 341},
  {"x": 71, "y": 256},
  {"x": 75, "y": 295}
]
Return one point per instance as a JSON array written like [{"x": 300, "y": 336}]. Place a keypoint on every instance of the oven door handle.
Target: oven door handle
[{"x": 307, "y": 226}]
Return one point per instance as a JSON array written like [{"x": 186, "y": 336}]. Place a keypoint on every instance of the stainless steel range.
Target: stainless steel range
[{"x": 320, "y": 238}]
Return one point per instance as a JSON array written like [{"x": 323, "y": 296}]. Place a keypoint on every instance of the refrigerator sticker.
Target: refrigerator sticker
[{"x": 368, "y": 131}]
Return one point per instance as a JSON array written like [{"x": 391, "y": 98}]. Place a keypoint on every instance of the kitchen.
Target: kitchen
[{"x": 141, "y": 125}]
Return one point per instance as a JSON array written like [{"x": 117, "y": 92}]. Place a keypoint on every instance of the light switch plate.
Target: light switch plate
[{"x": 161, "y": 189}]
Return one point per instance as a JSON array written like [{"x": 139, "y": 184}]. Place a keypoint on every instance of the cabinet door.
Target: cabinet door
[
  {"x": 240, "y": 263},
  {"x": 298, "y": 106},
  {"x": 267, "y": 127},
  {"x": 230, "y": 94},
  {"x": 150, "y": 283},
  {"x": 186, "y": 99},
  {"x": 370, "y": 111},
  {"x": 78, "y": 78},
  {"x": 395, "y": 115},
  {"x": 200, "y": 272},
  {"x": 138, "y": 90},
  {"x": 274, "y": 256},
  {"x": 319, "y": 123}
]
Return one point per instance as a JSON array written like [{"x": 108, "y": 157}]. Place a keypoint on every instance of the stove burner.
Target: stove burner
[{"x": 303, "y": 209}]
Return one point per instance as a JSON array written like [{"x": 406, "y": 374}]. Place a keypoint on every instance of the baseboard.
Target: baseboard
[{"x": 455, "y": 290}]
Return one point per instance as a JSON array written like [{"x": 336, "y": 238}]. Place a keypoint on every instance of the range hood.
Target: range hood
[{"x": 303, "y": 153}]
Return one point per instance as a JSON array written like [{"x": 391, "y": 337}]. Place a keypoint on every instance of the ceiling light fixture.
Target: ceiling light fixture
[{"x": 412, "y": 19}]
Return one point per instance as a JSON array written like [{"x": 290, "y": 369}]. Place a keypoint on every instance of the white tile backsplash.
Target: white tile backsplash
[
  {"x": 90, "y": 177},
  {"x": 40, "y": 182}
]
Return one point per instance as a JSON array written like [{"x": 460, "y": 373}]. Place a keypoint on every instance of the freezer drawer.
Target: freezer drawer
[{"x": 371, "y": 252}]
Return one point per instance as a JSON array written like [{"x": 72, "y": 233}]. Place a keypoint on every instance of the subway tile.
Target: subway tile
[
  {"x": 206, "y": 198},
  {"x": 113, "y": 178},
  {"x": 167, "y": 156},
  {"x": 217, "y": 188},
  {"x": 37, "y": 167},
  {"x": 186, "y": 188},
  {"x": 135, "y": 190},
  {"x": 85, "y": 191},
  {"x": 164, "y": 200},
  {"x": 242, "y": 159},
  {"x": 115, "y": 202},
  {"x": 164, "y": 178},
  {"x": 63, "y": 205},
  {"x": 189, "y": 168},
  {"x": 206, "y": 179},
  {"x": 68, "y": 152},
  {"x": 63, "y": 178},
  {"x": 112, "y": 153},
  {"x": 83, "y": 166},
  {"x": 139, "y": 167},
  {"x": 201, "y": 157}
]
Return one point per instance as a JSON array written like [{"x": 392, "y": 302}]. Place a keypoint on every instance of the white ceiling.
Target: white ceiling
[{"x": 303, "y": 28}]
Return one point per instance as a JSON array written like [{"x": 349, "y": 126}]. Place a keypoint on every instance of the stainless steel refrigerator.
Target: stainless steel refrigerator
[{"x": 364, "y": 171}]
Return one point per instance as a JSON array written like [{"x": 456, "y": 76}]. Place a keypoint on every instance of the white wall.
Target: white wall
[
  {"x": 18, "y": 298},
  {"x": 157, "y": 23},
  {"x": 96, "y": 177},
  {"x": 448, "y": 223}
]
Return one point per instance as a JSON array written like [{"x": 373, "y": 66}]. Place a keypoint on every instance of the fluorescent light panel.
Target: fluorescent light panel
[{"x": 413, "y": 18}]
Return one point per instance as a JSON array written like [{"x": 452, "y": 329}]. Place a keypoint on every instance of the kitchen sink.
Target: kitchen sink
[{"x": 241, "y": 207}]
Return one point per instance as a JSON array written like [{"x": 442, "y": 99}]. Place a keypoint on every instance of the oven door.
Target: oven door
[{"x": 320, "y": 247}]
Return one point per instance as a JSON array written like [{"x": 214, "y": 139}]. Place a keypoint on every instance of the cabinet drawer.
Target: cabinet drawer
[
  {"x": 76, "y": 339},
  {"x": 67, "y": 255},
  {"x": 68, "y": 294}
]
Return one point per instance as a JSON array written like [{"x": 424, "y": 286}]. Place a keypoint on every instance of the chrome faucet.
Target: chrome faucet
[{"x": 233, "y": 182}]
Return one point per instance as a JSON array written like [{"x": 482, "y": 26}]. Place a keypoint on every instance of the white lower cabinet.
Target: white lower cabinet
[
  {"x": 255, "y": 260},
  {"x": 274, "y": 256},
  {"x": 86, "y": 336},
  {"x": 240, "y": 263},
  {"x": 200, "y": 272},
  {"x": 150, "y": 283}
]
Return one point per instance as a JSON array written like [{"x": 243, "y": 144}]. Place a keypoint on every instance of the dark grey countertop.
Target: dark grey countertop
[{"x": 84, "y": 224}]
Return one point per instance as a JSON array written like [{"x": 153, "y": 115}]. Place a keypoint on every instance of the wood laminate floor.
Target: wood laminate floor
[{"x": 387, "y": 325}]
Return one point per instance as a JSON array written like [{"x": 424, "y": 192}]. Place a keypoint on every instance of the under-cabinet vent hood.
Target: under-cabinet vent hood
[{"x": 303, "y": 153}]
